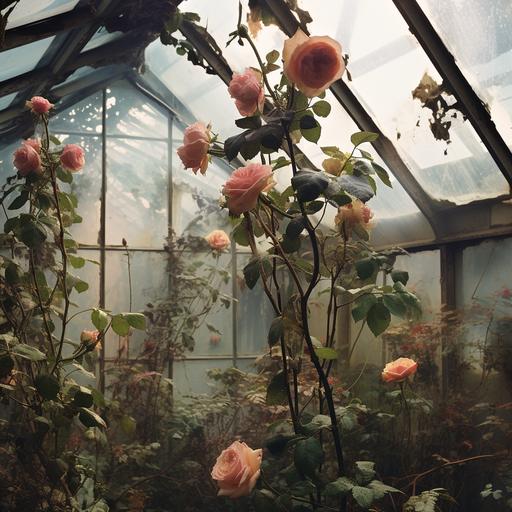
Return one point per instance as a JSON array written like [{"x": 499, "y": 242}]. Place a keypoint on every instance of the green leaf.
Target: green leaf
[
  {"x": 327, "y": 353},
  {"x": 120, "y": 325},
  {"x": 309, "y": 184},
  {"x": 363, "y": 496},
  {"x": 395, "y": 304},
  {"x": 378, "y": 318},
  {"x": 29, "y": 231},
  {"x": 321, "y": 108},
  {"x": 295, "y": 227},
  {"x": 252, "y": 272},
  {"x": 47, "y": 386},
  {"x": 340, "y": 486},
  {"x": 366, "y": 268},
  {"x": 365, "y": 471},
  {"x": 308, "y": 455},
  {"x": 81, "y": 286},
  {"x": 272, "y": 56},
  {"x": 264, "y": 501},
  {"x": 83, "y": 397},
  {"x": 13, "y": 273},
  {"x": 314, "y": 206},
  {"x": 64, "y": 175},
  {"x": 91, "y": 419},
  {"x": 380, "y": 489},
  {"x": 240, "y": 234},
  {"x": 310, "y": 128},
  {"x": 290, "y": 245},
  {"x": 136, "y": 320},
  {"x": 252, "y": 123},
  {"x": 363, "y": 304},
  {"x": 361, "y": 137},
  {"x": 28, "y": 352},
  {"x": 99, "y": 319},
  {"x": 277, "y": 390},
  {"x": 400, "y": 276},
  {"x": 382, "y": 174},
  {"x": 76, "y": 261},
  {"x": 19, "y": 201},
  {"x": 319, "y": 422},
  {"x": 276, "y": 331}
]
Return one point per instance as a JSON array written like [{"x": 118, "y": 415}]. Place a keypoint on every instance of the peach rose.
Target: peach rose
[
  {"x": 194, "y": 152},
  {"x": 247, "y": 90},
  {"x": 26, "y": 158},
  {"x": 72, "y": 157},
  {"x": 39, "y": 105},
  {"x": 218, "y": 240},
  {"x": 237, "y": 469},
  {"x": 312, "y": 63},
  {"x": 399, "y": 370},
  {"x": 244, "y": 186},
  {"x": 353, "y": 214}
]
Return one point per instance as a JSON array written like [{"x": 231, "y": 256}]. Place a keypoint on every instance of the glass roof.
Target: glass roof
[
  {"x": 485, "y": 58},
  {"x": 23, "y": 58},
  {"x": 6, "y": 100},
  {"x": 385, "y": 69},
  {"x": 101, "y": 37},
  {"x": 29, "y": 11}
]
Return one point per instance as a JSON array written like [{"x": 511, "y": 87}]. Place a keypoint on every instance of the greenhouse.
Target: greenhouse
[{"x": 255, "y": 255}]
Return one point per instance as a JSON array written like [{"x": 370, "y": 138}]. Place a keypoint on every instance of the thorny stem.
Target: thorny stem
[
  {"x": 305, "y": 325},
  {"x": 46, "y": 145}
]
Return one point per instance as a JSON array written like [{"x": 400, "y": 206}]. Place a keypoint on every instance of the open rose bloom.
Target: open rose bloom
[
  {"x": 312, "y": 63},
  {"x": 27, "y": 157},
  {"x": 72, "y": 157},
  {"x": 354, "y": 214},
  {"x": 237, "y": 470},
  {"x": 218, "y": 240},
  {"x": 399, "y": 370},
  {"x": 247, "y": 90},
  {"x": 245, "y": 185},
  {"x": 39, "y": 105},
  {"x": 194, "y": 152}
]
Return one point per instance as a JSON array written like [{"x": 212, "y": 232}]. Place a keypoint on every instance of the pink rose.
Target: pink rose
[
  {"x": 218, "y": 240},
  {"x": 35, "y": 144},
  {"x": 194, "y": 152},
  {"x": 39, "y": 105},
  {"x": 312, "y": 63},
  {"x": 26, "y": 158},
  {"x": 89, "y": 336},
  {"x": 399, "y": 370},
  {"x": 354, "y": 214},
  {"x": 237, "y": 469},
  {"x": 244, "y": 186},
  {"x": 247, "y": 90},
  {"x": 72, "y": 157},
  {"x": 215, "y": 339}
]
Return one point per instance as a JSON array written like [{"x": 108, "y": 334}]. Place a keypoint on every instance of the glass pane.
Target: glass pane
[
  {"x": 149, "y": 283},
  {"x": 28, "y": 11},
  {"x": 484, "y": 296},
  {"x": 84, "y": 116},
  {"x": 195, "y": 198},
  {"x": 385, "y": 69},
  {"x": 191, "y": 377},
  {"x": 102, "y": 36},
  {"x": 425, "y": 281},
  {"x": 130, "y": 113},
  {"x": 219, "y": 317},
  {"x": 205, "y": 95},
  {"x": 79, "y": 73},
  {"x": 486, "y": 57},
  {"x": 254, "y": 314},
  {"x": 23, "y": 58},
  {"x": 90, "y": 273},
  {"x": 87, "y": 187},
  {"x": 6, "y": 100},
  {"x": 137, "y": 190}
]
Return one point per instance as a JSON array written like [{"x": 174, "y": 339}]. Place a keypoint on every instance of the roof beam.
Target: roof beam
[
  {"x": 383, "y": 146},
  {"x": 444, "y": 61},
  {"x": 25, "y": 34}
]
